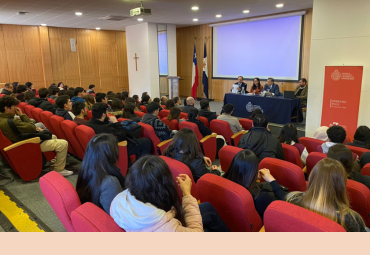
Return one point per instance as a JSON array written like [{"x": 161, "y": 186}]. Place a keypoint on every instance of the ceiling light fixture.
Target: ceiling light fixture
[
  {"x": 218, "y": 16},
  {"x": 246, "y": 11},
  {"x": 140, "y": 19},
  {"x": 279, "y": 5},
  {"x": 195, "y": 19},
  {"x": 98, "y": 28},
  {"x": 44, "y": 25},
  {"x": 78, "y": 13},
  {"x": 195, "y": 8}
]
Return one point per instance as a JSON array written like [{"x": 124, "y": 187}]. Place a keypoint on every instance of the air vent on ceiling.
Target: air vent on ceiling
[
  {"x": 113, "y": 18},
  {"x": 21, "y": 13}
]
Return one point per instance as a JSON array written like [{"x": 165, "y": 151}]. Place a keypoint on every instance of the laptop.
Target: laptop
[{"x": 289, "y": 94}]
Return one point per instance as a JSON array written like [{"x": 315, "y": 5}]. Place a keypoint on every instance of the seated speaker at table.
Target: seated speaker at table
[
  {"x": 240, "y": 85},
  {"x": 271, "y": 87}
]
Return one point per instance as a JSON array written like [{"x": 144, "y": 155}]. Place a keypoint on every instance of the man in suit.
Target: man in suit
[
  {"x": 241, "y": 85},
  {"x": 271, "y": 87},
  {"x": 302, "y": 91}
]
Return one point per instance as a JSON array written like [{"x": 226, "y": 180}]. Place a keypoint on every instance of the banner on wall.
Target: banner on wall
[{"x": 342, "y": 90}]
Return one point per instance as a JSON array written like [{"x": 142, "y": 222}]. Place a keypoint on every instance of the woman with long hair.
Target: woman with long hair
[
  {"x": 289, "y": 135},
  {"x": 170, "y": 104},
  {"x": 100, "y": 180},
  {"x": 256, "y": 87},
  {"x": 326, "y": 195},
  {"x": 193, "y": 118},
  {"x": 174, "y": 114},
  {"x": 116, "y": 108},
  {"x": 244, "y": 171},
  {"x": 361, "y": 138},
  {"x": 89, "y": 101},
  {"x": 255, "y": 113},
  {"x": 185, "y": 148},
  {"x": 151, "y": 202},
  {"x": 129, "y": 112}
]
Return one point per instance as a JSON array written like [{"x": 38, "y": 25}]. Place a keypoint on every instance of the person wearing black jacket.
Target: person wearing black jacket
[
  {"x": 188, "y": 105},
  {"x": 205, "y": 111},
  {"x": 193, "y": 115},
  {"x": 102, "y": 123},
  {"x": 261, "y": 141},
  {"x": 42, "y": 102},
  {"x": 8, "y": 89},
  {"x": 244, "y": 171}
]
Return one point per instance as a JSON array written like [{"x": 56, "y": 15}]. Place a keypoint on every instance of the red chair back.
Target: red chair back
[
  {"x": 286, "y": 173},
  {"x": 357, "y": 150},
  {"x": 246, "y": 123},
  {"x": 45, "y": 118},
  {"x": 221, "y": 127},
  {"x": 140, "y": 114},
  {"x": 176, "y": 168},
  {"x": 172, "y": 124},
  {"x": 147, "y": 131},
  {"x": 90, "y": 218},
  {"x": 164, "y": 113},
  {"x": 226, "y": 156},
  {"x": 28, "y": 110},
  {"x": 52, "y": 101},
  {"x": 359, "y": 199},
  {"x": 22, "y": 106},
  {"x": 61, "y": 196},
  {"x": 143, "y": 108},
  {"x": 204, "y": 120},
  {"x": 366, "y": 170},
  {"x": 84, "y": 135},
  {"x": 89, "y": 115},
  {"x": 233, "y": 202},
  {"x": 312, "y": 159},
  {"x": 281, "y": 216},
  {"x": 5, "y": 142},
  {"x": 310, "y": 143},
  {"x": 163, "y": 106},
  {"x": 183, "y": 115},
  {"x": 69, "y": 130},
  {"x": 36, "y": 114},
  {"x": 291, "y": 154},
  {"x": 56, "y": 123},
  {"x": 192, "y": 126}
]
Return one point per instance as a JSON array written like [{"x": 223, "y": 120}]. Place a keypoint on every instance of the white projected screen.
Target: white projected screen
[{"x": 267, "y": 48}]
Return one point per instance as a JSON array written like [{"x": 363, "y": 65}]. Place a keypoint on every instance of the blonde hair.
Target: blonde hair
[
  {"x": 89, "y": 101},
  {"x": 326, "y": 192}
]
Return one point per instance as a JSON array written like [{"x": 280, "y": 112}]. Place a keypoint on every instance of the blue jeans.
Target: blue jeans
[{"x": 212, "y": 222}]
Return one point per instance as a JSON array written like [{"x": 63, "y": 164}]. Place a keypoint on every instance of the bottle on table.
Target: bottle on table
[{"x": 243, "y": 91}]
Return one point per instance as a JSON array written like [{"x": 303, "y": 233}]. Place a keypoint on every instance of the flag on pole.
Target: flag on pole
[
  {"x": 205, "y": 72},
  {"x": 195, "y": 77}
]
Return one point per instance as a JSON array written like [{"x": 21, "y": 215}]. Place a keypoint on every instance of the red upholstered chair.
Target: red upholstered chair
[
  {"x": 232, "y": 201},
  {"x": 122, "y": 119},
  {"x": 22, "y": 106},
  {"x": 366, "y": 170},
  {"x": 357, "y": 150},
  {"x": 204, "y": 120},
  {"x": 61, "y": 196},
  {"x": 52, "y": 101},
  {"x": 163, "y": 106},
  {"x": 172, "y": 124},
  {"x": 147, "y": 131},
  {"x": 221, "y": 127},
  {"x": 291, "y": 154},
  {"x": 29, "y": 166},
  {"x": 183, "y": 115},
  {"x": 286, "y": 173},
  {"x": 310, "y": 143},
  {"x": 140, "y": 114},
  {"x": 1, "y": 95},
  {"x": 281, "y": 216},
  {"x": 36, "y": 114},
  {"x": 90, "y": 218},
  {"x": 89, "y": 115},
  {"x": 176, "y": 168},
  {"x": 45, "y": 118},
  {"x": 69, "y": 130},
  {"x": 163, "y": 145},
  {"x": 164, "y": 113},
  {"x": 84, "y": 135},
  {"x": 347, "y": 140},
  {"x": 312, "y": 159},
  {"x": 359, "y": 199},
  {"x": 143, "y": 108},
  {"x": 28, "y": 110},
  {"x": 246, "y": 123},
  {"x": 235, "y": 139},
  {"x": 208, "y": 144},
  {"x": 226, "y": 156},
  {"x": 56, "y": 122}
]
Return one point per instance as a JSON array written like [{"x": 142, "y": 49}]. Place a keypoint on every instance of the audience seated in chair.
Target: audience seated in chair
[
  {"x": 164, "y": 100},
  {"x": 289, "y": 135},
  {"x": 117, "y": 108},
  {"x": 145, "y": 99},
  {"x": 53, "y": 92},
  {"x": 158, "y": 101},
  {"x": 326, "y": 195},
  {"x": 91, "y": 89},
  {"x": 79, "y": 95},
  {"x": 361, "y": 138},
  {"x": 151, "y": 202},
  {"x": 129, "y": 112},
  {"x": 205, "y": 111},
  {"x": 8, "y": 108},
  {"x": 21, "y": 91},
  {"x": 185, "y": 148},
  {"x": 336, "y": 134},
  {"x": 175, "y": 114},
  {"x": 64, "y": 108},
  {"x": 42, "y": 102},
  {"x": 244, "y": 171},
  {"x": 227, "y": 110},
  {"x": 79, "y": 109},
  {"x": 100, "y": 180},
  {"x": 193, "y": 118},
  {"x": 170, "y": 104},
  {"x": 8, "y": 89},
  {"x": 261, "y": 141},
  {"x": 29, "y": 95},
  {"x": 89, "y": 102},
  {"x": 189, "y": 105},
  {"x": 320, "y": 134}
]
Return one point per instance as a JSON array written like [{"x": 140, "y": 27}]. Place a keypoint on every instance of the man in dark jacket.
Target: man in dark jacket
[
  {"x": 64, "y": 108},
  {"x": 189, "y": 105},
  {"x": 261, "y": 141},
  {"x": 42, "y": 102},
  {"x": 205, "y": 111},
  {"x": 101, "y": 122},
  {"x": 8, "y": 89},
  {"x": 161, "y": 130}
]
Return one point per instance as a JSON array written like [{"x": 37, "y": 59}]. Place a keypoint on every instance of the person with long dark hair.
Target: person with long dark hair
[
  {"x": 116, "y": 108},
  {"x": 244, "y": 171},
  {"x": 193, "y": 118},
  {"x": 361, "y": 138},
  {"x": 151, "y": 202},
  {"x": 289, "y": 135},
  {"x": 100, "y": 180},
  {"x": 170, "y": 104},
  {"x": 175, "y": 114},
  {"x": 185, "y": 148},
  {"x": 129, "y": 112},
  {"x": 256, "y": 87}
]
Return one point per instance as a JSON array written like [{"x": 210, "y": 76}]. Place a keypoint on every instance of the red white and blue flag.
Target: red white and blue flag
[{"x": 195, "y": 77}]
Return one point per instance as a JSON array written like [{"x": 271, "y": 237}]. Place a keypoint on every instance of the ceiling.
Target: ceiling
[{"x": 61, "y": 13}]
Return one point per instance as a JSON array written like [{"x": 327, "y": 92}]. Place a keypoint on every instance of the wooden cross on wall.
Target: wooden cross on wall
[{"x": 136, "y": 57}]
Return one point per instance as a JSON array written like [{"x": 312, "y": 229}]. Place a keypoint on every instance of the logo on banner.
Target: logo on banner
[
  {"x": 336, "y": 75},
  {"x": 250, "y": 107}
]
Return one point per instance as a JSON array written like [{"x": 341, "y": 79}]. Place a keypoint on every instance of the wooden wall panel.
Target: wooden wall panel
[
  {"x": 85, "y": 54},
  {"x": 107, "y": 54},
  {"x": 4, "y": 73},
  {"x": 218, "y": 87},
  {"x": 56, "y": 51},
  {"x": 70, "y": 59},
  {"x": 46, "y": 56}
]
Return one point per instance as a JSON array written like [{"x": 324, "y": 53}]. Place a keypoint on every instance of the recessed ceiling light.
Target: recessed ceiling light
[
  {"x": 246, "y": 11},
  {"x": 78, "y": 13},
  {"x": 44, "y": 25},
  {"x": 195, "y": 19},
  {"x": 218, "y": 16},
  {"x": 140, "y": 19},
  {"x": 98, "y": 28},
  {"x": 195, "y": 8},
  {"x": 279, "y": 5}
]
